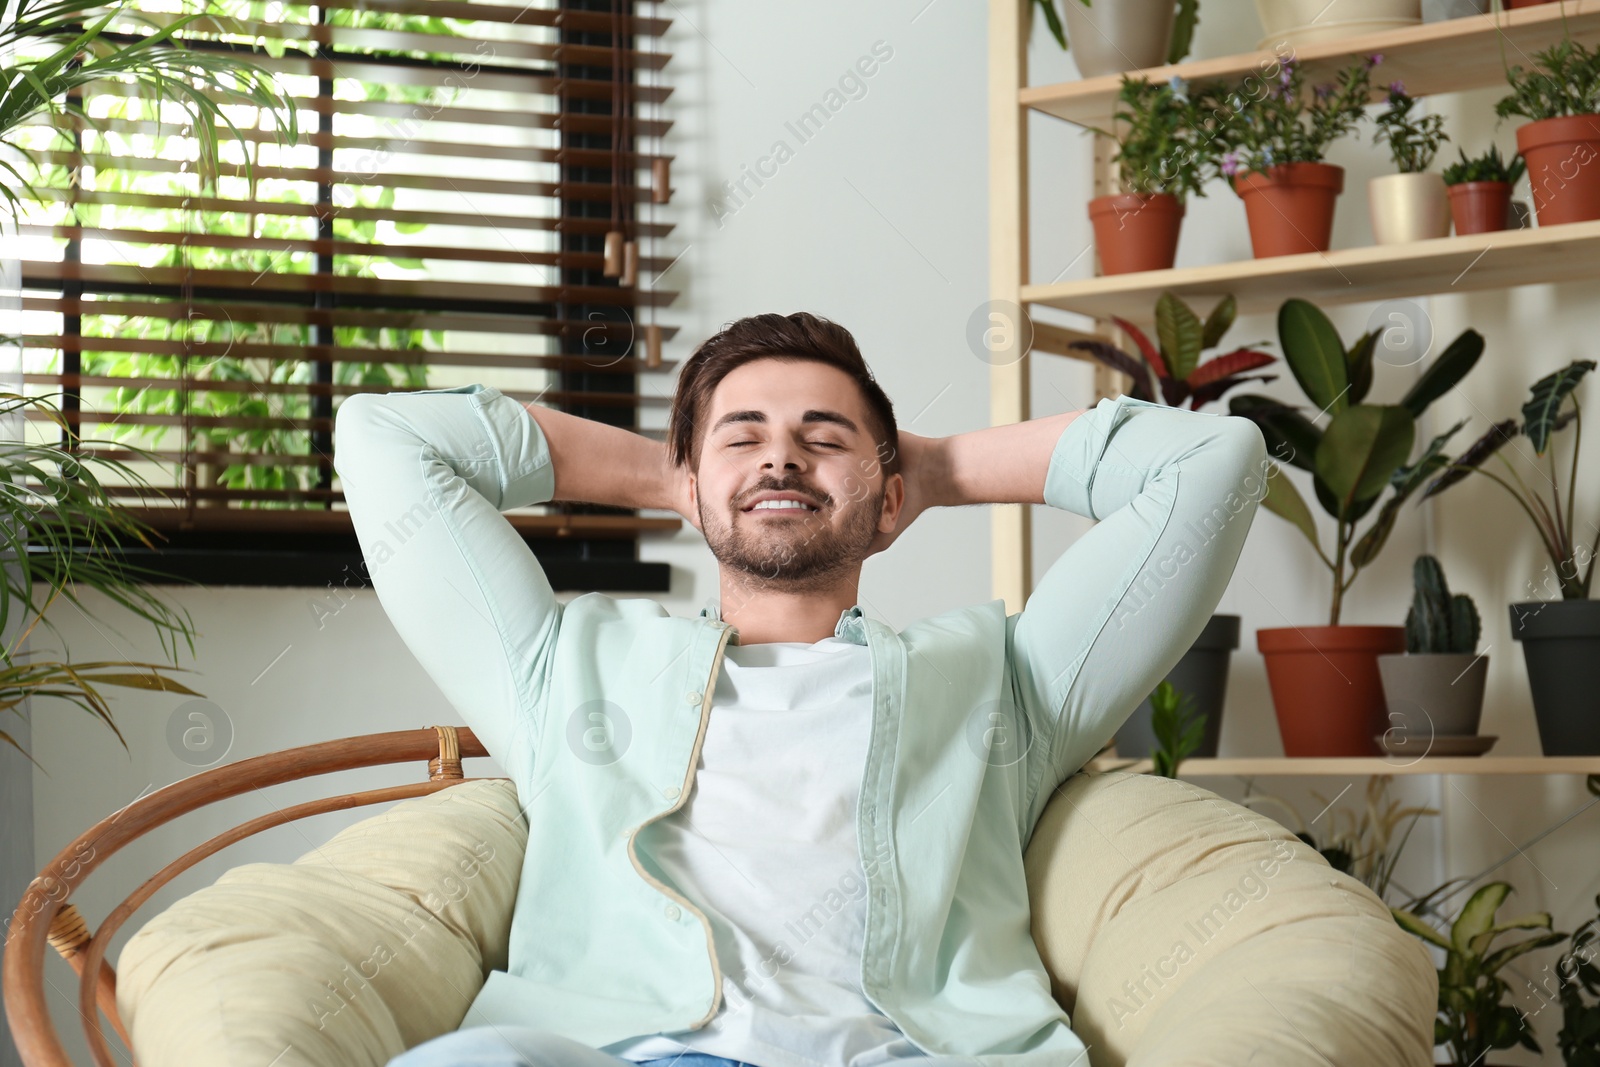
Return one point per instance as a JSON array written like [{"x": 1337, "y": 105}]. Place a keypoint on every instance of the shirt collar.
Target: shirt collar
[{"x": 851, "y": 626}]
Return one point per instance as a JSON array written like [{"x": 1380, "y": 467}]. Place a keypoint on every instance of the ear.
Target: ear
[{"x": 894, "y": 499}]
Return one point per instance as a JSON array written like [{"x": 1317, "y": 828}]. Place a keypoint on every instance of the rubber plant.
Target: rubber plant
[
  {"x": 1172, "y": 371},
  {"x": 1363, "y": 451},
  {"x": 1474, "y": 1015}
]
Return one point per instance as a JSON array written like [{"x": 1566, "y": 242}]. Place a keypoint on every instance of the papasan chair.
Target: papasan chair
[{"x": 1179, "y": 929}]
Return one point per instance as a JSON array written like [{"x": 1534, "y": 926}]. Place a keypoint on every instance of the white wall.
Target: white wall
[{"x": 880, "y": 222}]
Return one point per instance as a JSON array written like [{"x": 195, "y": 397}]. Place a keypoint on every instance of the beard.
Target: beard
[{"x": 794, "y": 553}]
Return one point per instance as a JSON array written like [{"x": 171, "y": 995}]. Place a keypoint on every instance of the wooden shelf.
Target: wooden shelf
[
  {"x": 1435, "y": 57},
  {"x": 1569, "y": 252},
  {"x": 1359, "y": 766}
]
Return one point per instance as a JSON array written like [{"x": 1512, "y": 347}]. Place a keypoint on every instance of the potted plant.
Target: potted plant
[
  {"x": 1560, "y": 638},
  {"x": 1435, "y": 689},
  {"x": 1475, "y": 1017},
  {"x": 1411, "y": 205},
  {"x": 58, "y": 522},
  {"x": 1294, "y": 23},
  {"x": 1161, "y": 160},
  {"x": 1326, "y": 690},
  {"x": 1579, "y": 976},
  {"x": 1480, "y": 190},
  {"x": 1561, "y": 95},
  {"x": 1276, "y": 136},
  {"x": 1178, "y": 728},
  {"x": 1174, "y": 372},
  {"x": 1366, "y": 846},
  {"x": 1124, "y": 35}
]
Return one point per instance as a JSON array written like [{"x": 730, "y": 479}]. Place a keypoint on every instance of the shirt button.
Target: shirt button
[
  {"x": 671, "y": 792},
  {"x": 693, "y": 698},
  {"x": 671, "y": 911}
]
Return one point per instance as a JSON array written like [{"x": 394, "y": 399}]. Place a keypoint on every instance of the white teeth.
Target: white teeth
[{"x": 775, "y": 505}]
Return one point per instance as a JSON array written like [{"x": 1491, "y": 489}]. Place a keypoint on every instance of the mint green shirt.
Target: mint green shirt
[{"x": 596, "y": 709}]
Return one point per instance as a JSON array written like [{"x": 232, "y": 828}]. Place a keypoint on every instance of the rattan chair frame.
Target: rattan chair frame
[{"x": 46, "y": 915}]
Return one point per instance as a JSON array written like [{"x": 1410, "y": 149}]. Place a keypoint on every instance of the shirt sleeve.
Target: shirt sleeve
[
  {"x": 425, "y": 477},
  {"x": 1174, "y": 493}
]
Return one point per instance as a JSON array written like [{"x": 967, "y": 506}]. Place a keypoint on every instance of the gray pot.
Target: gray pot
[
  {"x": 1203, "y": 674},
  {"x": 1433, "y": 694},
  {"x": 1117, "y": 35},
  {"x": 1561, "y": 642}
]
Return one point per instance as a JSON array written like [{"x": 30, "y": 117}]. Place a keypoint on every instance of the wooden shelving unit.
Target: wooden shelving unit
[
  {"x": 1476, "y": 262},
  {"x": 1269, "y": 766},
  {"x": 1440, "y": 57},
  {"x": 1436, "y": 57}
]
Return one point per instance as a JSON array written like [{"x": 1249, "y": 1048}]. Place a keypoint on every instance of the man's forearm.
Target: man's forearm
[
  {"x": 599, "y": 464},
  {"x": 1000, "y": 464}
]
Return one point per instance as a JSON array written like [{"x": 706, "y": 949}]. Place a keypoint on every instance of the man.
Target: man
[{"x": 782, "y": 833}]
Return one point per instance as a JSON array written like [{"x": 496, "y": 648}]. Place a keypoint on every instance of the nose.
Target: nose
[{"x": 784, "y": 453}]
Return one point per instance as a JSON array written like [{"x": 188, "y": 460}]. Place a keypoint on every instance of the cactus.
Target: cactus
[{"x": 1437, "y": 621}]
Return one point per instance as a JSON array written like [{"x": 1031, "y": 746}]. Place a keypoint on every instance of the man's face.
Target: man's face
[{"x": 797, "y": 430}]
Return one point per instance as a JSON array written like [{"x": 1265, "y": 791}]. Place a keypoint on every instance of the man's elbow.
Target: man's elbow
[
  {"x": 1240, "y": 467},
  {"x": 353, "y": 427}
]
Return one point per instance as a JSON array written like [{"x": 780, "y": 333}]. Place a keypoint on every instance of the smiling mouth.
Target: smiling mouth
[{"x": 781, "y": 508}]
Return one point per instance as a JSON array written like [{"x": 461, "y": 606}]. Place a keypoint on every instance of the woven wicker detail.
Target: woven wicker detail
[
  {"x": 68, "y": 932},
  {"x": 447, "y": 764}
]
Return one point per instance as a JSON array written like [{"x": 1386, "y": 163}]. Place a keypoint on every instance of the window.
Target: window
[{"x": 442, "y": 219}]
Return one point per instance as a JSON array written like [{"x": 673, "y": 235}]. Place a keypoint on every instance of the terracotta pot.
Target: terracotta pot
[
  {"x": 1326, "y": 690},
  {"x": 1290, "y": 207},
  {"x": 1480, "y": 207},
  {"x": 1563, "y": 157},
  {"x": 1408, "y": 207},
  {"x": 1134, "y": 231}
]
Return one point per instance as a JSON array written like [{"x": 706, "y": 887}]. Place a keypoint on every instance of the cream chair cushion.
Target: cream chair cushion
[
  {"x": 362, "y": 948},
  {"x": 1180, "y": 930},
  {"x": 1183, "y": 929}
]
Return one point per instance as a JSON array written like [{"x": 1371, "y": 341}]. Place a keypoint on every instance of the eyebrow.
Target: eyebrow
[{"x": 813, "y": 415}]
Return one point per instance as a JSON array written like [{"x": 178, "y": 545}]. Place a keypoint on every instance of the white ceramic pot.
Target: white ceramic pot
[
  {"x": 1111, "y": 36},
  {"x": 1408, "y": 207},
  {"x": 1292, "y": 23}
]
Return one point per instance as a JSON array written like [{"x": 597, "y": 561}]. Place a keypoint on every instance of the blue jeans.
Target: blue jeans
[{"x": 523, "y": 1046}]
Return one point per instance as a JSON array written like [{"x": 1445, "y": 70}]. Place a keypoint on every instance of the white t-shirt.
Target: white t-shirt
[{"x": 766, "y": 846}]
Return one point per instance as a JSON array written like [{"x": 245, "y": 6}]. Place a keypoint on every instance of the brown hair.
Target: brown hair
[{"x": 801, "y": 336}]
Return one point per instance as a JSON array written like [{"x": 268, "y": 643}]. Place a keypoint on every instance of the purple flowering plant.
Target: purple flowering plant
[
  {"x": 1413, "y": 140},
  {"x": 1270, "y": 118}
]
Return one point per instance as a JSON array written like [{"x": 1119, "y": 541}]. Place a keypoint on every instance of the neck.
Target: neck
[{"x": 763, "y": 612}]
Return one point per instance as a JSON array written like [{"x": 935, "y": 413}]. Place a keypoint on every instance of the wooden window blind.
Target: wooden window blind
[{"x": 469, "y": 199}]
